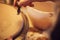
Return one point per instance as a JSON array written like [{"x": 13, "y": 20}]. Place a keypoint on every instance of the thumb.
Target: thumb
[{"x": 23, "y": 2}]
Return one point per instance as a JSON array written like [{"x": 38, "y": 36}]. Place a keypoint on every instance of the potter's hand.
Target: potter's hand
[
  {"x": 27, "y": 2},
  {"x": 23, "y": 2}
]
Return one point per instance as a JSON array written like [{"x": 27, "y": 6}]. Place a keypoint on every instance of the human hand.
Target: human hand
[{"x": 27, "y": 2}]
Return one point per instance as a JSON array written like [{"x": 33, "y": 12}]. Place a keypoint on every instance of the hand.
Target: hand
[
  {"x": 23, "y": 2},
  {"x": 27, "y": 2}
]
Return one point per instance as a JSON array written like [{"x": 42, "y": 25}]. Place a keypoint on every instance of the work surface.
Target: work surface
[{"x": 10, "y": 22}]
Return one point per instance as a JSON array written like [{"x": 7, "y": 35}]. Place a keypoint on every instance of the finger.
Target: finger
[
  {"x": 31, "y": 5},
  {"x": 23, "y": 3},
  {"x": 15, "y": 1}
]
